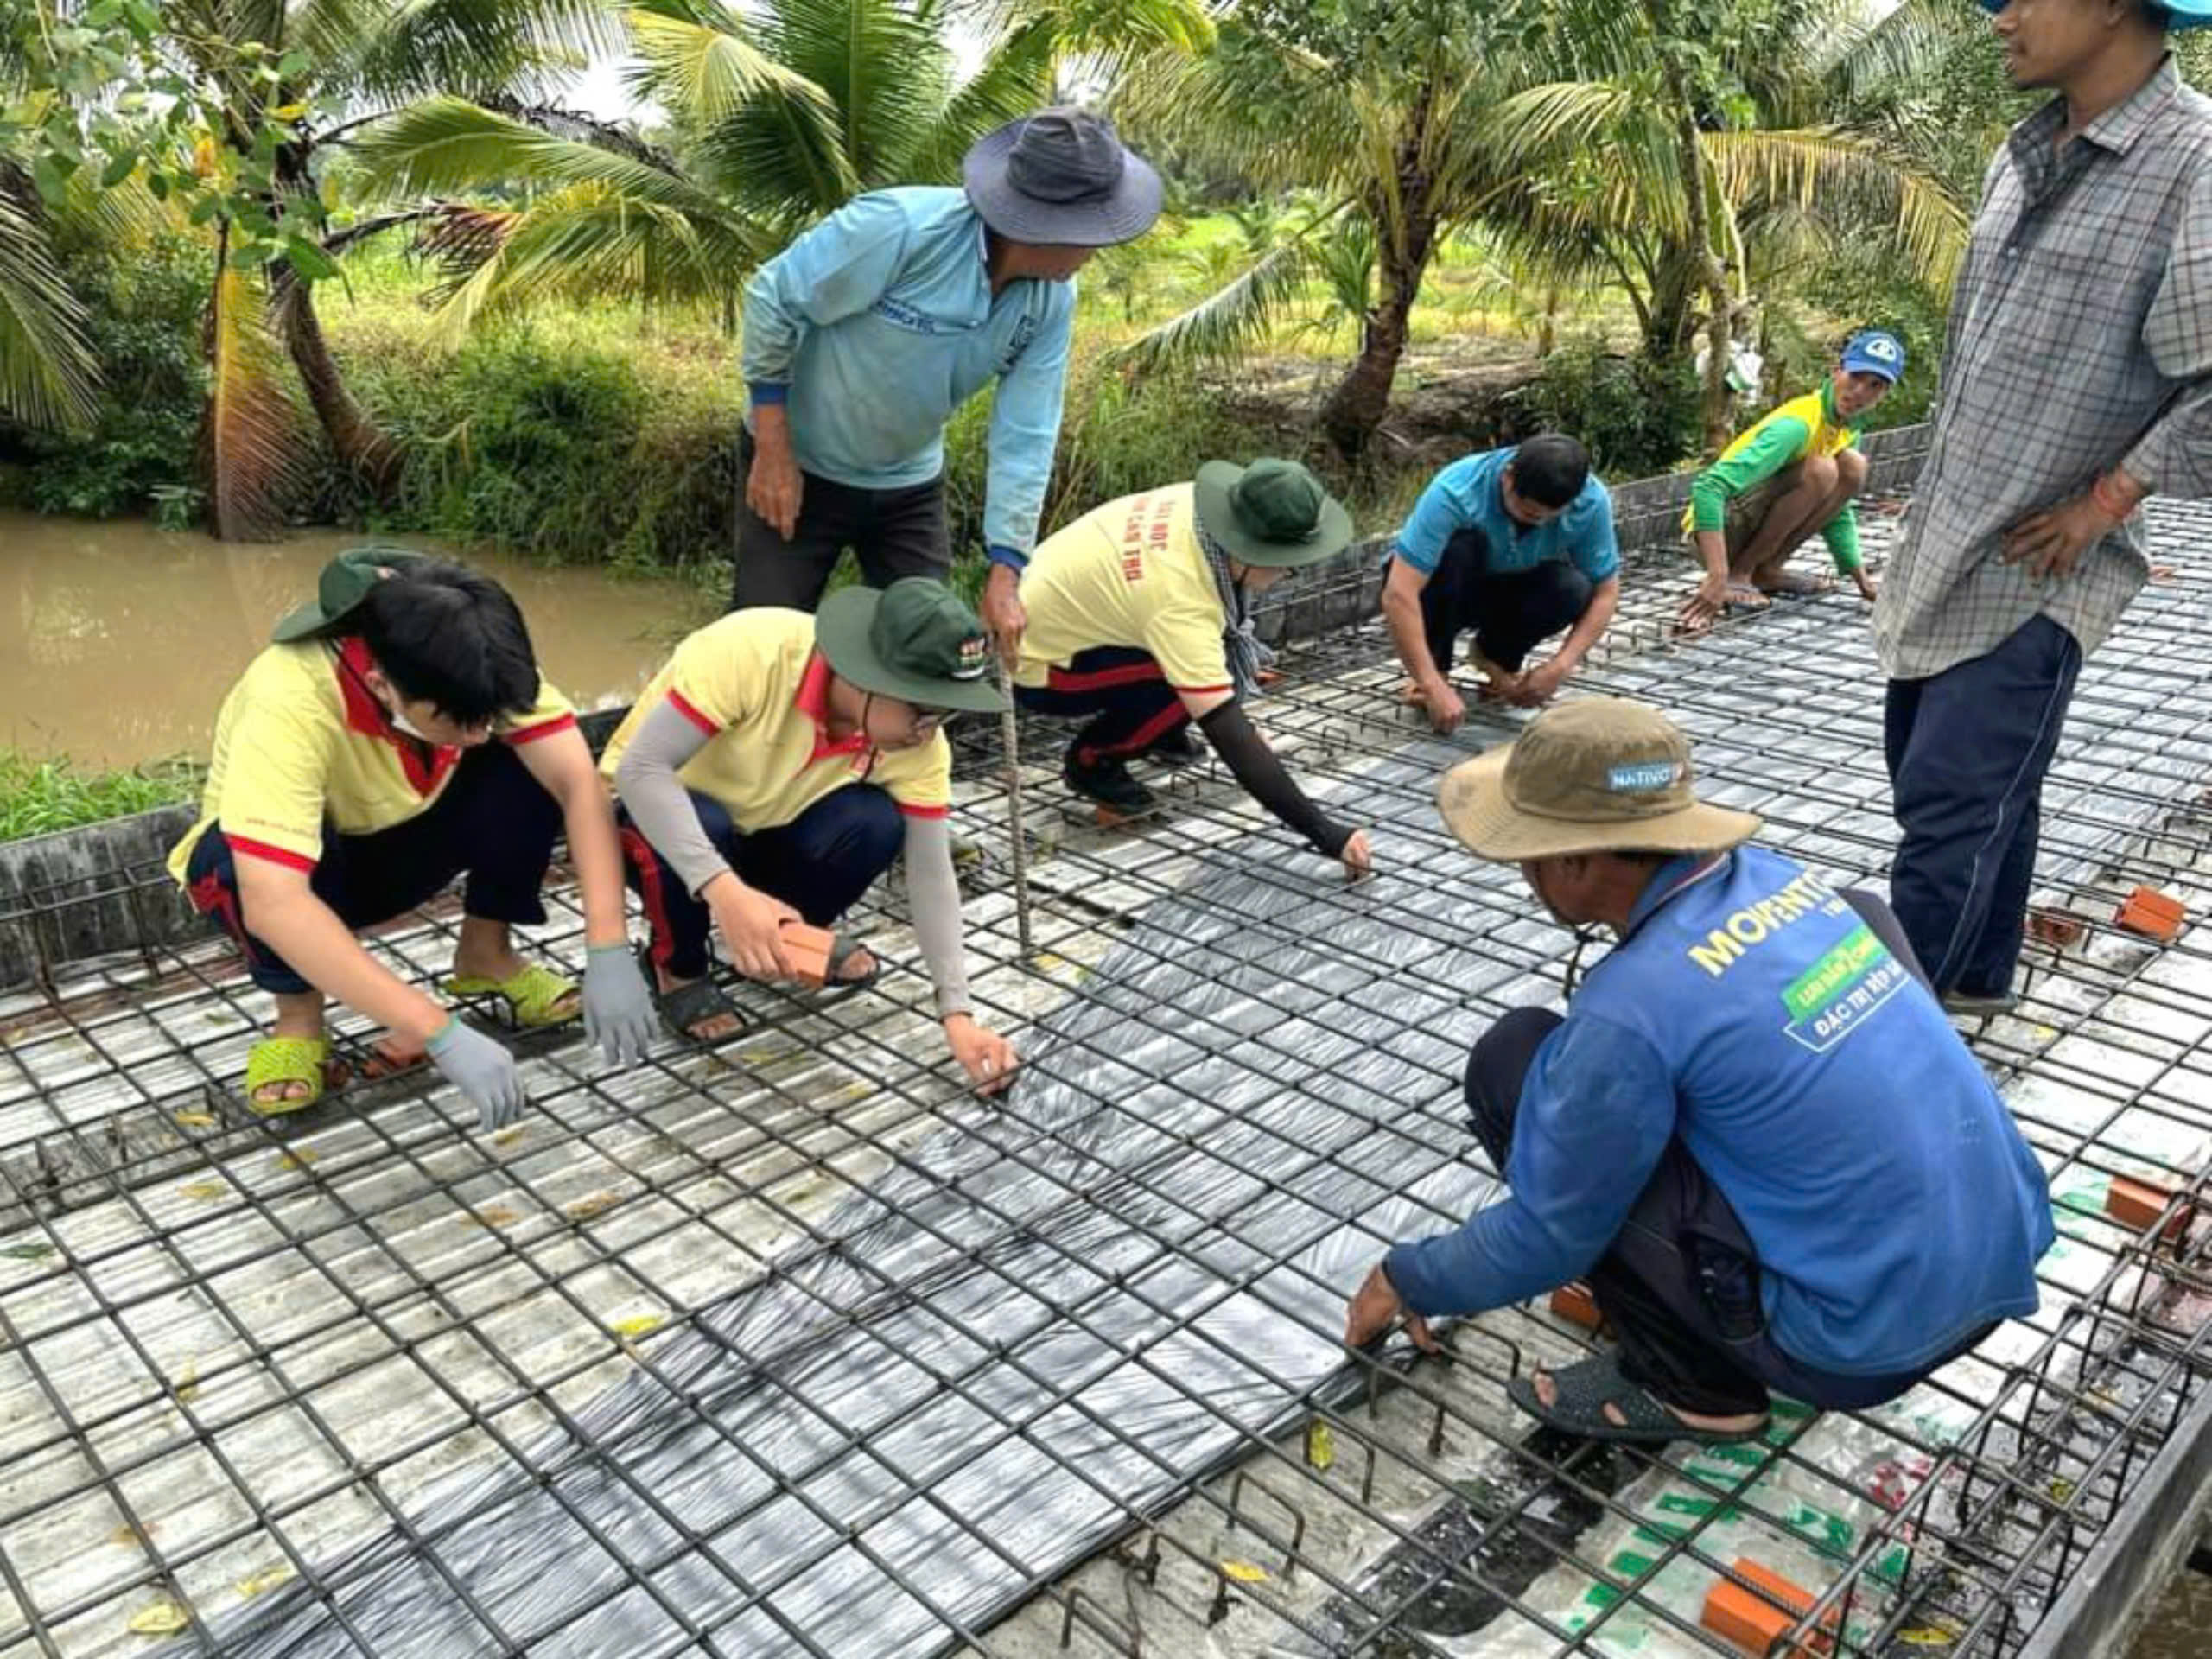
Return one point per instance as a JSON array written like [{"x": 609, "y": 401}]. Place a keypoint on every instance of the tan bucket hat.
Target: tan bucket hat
[{"x": 1601, "y": 774}]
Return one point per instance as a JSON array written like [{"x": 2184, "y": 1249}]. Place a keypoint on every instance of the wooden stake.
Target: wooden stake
[{"x": 1017, "y": 846}]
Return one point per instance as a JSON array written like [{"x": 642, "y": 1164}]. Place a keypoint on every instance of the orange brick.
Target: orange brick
[
  {"x": 2059, "y": 928},
  {"x": 2155, "y": 915},
  {"x": 1754, "y": 1621},
  {"x": 1574, "y": 1304},
  {"x": 807, "y": 949},
  {"x": 2139, "y": 1203}
]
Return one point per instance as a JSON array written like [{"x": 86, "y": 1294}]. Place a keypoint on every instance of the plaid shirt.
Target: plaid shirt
[{"x": 2081, "y": 337}]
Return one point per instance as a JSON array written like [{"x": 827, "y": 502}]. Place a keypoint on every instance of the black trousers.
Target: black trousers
[
  {"x": 1680, "y": 1284},
  {"x": 1123, "y": 688},
  {"x": 494, "y": 823},
  {"x": 893, "y": 533},
  {"x": 819, "y": 864},
  {"x": 1511, "y": 612}
]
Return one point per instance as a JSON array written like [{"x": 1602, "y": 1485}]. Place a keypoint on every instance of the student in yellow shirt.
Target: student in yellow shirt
[
  {"x": 775, "y": 767},
  {"x": 397, "y": 735},
  {"x": 1135, "y": 615},
  {"x": 1795, "y": 470}
]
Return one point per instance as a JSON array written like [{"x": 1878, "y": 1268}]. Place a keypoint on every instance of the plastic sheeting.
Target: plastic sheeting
[{"x": 1050, "y": 1314}]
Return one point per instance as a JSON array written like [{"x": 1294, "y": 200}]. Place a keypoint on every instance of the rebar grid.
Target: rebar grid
[{"x": 664, "y": 1192}]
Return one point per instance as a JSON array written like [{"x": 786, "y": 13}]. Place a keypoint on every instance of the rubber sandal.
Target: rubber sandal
[
  {"x": 286, "y": 1059},
  {"x": 835, "y": 986},
  {"x": 1583, "y": 1391},
  {"x": 533, "y": 996},
  {"x": 689, "y": 1005}
]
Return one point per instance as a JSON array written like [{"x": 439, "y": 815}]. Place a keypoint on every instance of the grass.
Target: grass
[{"x": 38, "y": 796}]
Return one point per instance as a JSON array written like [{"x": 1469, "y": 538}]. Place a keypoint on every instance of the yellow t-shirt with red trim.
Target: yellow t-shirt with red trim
[
  {"x": 753, "y": 684},
  {"x": 301, "y": 743},
  {"x": 1128, "y": 574}
]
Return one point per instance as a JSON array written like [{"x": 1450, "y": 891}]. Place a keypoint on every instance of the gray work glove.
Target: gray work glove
[
  {"x": 618, "y": 1009},
  {"x": 480, "y": 1069}
]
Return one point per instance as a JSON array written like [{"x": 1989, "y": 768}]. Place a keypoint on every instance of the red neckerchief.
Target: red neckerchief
[
  {"x": 425, "y": 764},
  {"x": 813, "y": 702}
]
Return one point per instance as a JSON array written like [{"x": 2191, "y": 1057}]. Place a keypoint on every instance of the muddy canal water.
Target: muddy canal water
[{"x": 117, "y": 641}]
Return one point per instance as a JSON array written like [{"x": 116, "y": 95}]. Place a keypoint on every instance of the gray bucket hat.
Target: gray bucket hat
[{"x": 1060, "y": 178}]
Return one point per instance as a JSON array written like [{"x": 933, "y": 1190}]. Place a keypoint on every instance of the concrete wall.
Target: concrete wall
[{"x": 90, "y": 892}]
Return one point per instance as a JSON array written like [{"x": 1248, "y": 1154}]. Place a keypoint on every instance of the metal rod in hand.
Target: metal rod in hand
[{"x": 1016, "y": 843}]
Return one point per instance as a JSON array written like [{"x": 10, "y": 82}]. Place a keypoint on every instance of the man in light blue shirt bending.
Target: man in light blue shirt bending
[
  {"x": 1514, "y": 544},
  {"x": 864, "y": 335}
]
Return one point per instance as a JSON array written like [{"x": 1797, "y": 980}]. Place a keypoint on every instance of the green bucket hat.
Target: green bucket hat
[
  {"x": 345, "y": 582},
  {"x": 1273, "y": 513},
  {"x": 914, "y": 641}
]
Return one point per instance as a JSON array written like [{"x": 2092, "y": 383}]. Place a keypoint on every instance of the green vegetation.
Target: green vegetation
[{"x": 40, "y": 797}]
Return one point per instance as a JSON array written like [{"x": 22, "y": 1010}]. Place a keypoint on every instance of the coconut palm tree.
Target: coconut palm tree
[
  {"x": 1628, "y": 145},
  {"x": 779, "y": 111}
]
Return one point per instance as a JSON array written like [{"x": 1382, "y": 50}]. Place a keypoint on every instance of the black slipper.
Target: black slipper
[
  {"x": 690, "y": 1004},
  {"x": 1583, "y": 1390},
  {"x": 835, "y": 987}
]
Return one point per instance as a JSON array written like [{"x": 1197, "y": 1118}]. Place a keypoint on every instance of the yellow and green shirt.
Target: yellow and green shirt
[
  {"x": 1782, "y": 438},
  {"x": 302, "y": 742},
  {"x": 1131, "y": 574},
  {"x": 753, "y": 684}
]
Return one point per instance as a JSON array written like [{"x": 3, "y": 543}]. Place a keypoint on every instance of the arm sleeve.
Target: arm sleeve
[
  {"x": 1841, "y": 534},
  {"x": 1774, "y": 448},
  {"x": 1597, "y": 545},
  {"x": 1595, "y": 1117},
  {"x": 1024, "y": 430},
  {"x": 2174, "y": 457},
  {"x": 934, "y": 894},
  {"x": 839, "y": 269},
  {"x": 1247, "y": 754},
  {"x": 657, "y": 802},
  {"x": 1433, "y": 519}
]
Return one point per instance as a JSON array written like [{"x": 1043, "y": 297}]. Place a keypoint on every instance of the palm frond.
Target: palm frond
[
  {"x": 250, "y": 450},
  {"x": 704, "y": 72},
  {"x": 48, "y": 371},
  {"x": 384, "y": 50},
  {"x": 1841, "y": 174},
  {"x": 1227, "y": 321},
  {"x": 1013, "y": 80},
  {"x": 444, "y": 146}
]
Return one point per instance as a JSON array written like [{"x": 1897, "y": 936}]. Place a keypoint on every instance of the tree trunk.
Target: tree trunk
[
  {"x": 1712, "y": 271},
  {"x": 363, "y": 448},
  {"x": 1405, "y": 237}
]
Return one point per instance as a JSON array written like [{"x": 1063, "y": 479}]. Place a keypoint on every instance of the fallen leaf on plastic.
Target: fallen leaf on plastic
[
  {"x": 508, "y": 1137},
  {"x": 206, "y": 1192},
  {"x": 196, "y": 1120},
  {"x": 1244, "y": 1571},
  {"x": 130, "y": 1537},
  {"x": 637, "y": 1326},
  {"x": 1321, "y": 1445},
  {"x": 598, "y": 1203},
  {"x": 1926, "y": 1635},
  {"x": 2061, "y": 1490},
  {"x": 298, "y": 1158},
  {"x": 28, "y": 1252},
  {"x": 256, "y": 1583},
  {"x": 163, "y": 1618},
  {"x": 497, "y": 1215},
  {"x": 187, "y": 1384}
]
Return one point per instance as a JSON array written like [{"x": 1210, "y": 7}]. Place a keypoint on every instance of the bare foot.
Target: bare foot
[
  {"x": 1770, "y": 579},
  {"x": 1548, "y": 1392},
  {"x": 1745, "y": 597}
]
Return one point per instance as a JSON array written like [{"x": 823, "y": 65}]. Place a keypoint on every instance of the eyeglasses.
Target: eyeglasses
[{"x": 934, "y": 719}]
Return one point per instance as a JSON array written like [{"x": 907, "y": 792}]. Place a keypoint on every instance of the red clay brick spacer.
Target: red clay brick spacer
[
  {"x": 2056, "y": 928},
  {"x": 2138, "y": 1205},
  {"x": 1753, "y": 1621},
  {"x": 2155, "y": 915},
  {"x": 1574, "y": 1304},
  {"x": 807, "y": 950}
]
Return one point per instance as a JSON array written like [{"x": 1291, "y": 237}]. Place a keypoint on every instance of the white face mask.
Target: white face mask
[{"x": 401, "y": 723}]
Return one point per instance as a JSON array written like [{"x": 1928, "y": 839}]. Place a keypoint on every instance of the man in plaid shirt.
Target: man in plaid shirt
[{"x": 2076, "y": 381}]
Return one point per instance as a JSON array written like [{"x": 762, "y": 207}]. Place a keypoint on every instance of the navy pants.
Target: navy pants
[
  {"x": 493, "y": 823},
  {"x": 1123, "y": 688},
  {"x": 1679, "y": 1285},
  {"x": 892, "y": 533},
  {"x": 1511, "y": 612},
  {"x": 819, "y": 864},
  {"x": 1968, "y": 750}
]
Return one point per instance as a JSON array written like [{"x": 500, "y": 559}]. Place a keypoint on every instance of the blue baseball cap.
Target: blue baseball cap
[
  {"x": 2176, "y": 14},
  {"x": 1875, "y": 350}
]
